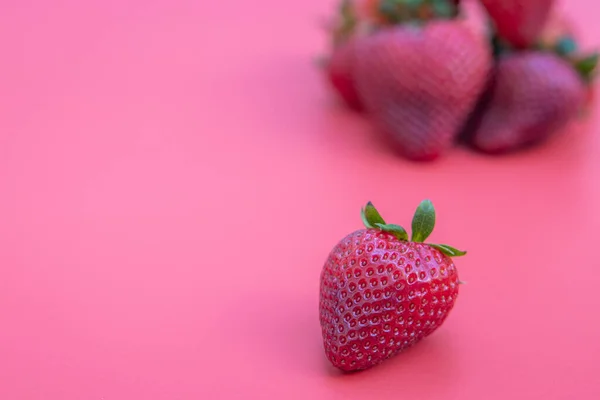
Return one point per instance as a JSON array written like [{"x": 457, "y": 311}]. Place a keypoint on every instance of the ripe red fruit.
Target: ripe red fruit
[
  {"x": 420, "y": 83},
  {"x": 519, "y": 22},
  {"x": 340, "y": 72},
  {"x": 381, "y": 293},
  {"x": 534, "y": 96}
]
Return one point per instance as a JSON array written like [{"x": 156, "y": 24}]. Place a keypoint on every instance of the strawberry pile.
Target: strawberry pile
[{"x": 428, "y": 79}]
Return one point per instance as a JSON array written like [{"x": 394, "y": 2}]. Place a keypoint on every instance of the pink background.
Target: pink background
[{"x": 173, "y": 174}]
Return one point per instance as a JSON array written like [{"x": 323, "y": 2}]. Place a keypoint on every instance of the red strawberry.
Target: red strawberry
[
  {"x": 419, "y": 83},
  {"x": 381, "y": 293},
  {"x": 359, "y": 18},
  {"x": 535, "y": 95},
  {"x": 519, "y": 22},
  {"x": 340, "y": 74}
]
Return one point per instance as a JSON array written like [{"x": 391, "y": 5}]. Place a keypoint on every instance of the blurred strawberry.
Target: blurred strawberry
[
  {"x": 357, "y": 19},
  {"x": 535, "y": 94},
  {"x": 519, "y": 22},
  {"x": 419, "y": 83}
]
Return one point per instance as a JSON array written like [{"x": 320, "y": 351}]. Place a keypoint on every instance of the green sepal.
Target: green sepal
[
  {"x": 448, "y": 250},
  {"x": 417, "y": 11},
  {"x": 443, "y": 8},
  {"x": 396, "y": 230},
  {"x": 586, "y": 66},
  {"x": 371, "y": 216},
  {"x": 423, "y": 222},
  {"x": 394, "y": 11}
]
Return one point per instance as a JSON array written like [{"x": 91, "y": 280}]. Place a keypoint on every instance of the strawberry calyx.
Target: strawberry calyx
[
  {"x": 401, "y": 11},
  {"x": 363, "y": 17},
  {"x": 422, "y": 226}
]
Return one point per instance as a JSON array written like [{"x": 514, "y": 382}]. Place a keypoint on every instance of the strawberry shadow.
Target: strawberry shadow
[
  {"x": 284, "y": 329},
  {"x": 566, "y": 149},
  {"x": 430, "y": 365}
]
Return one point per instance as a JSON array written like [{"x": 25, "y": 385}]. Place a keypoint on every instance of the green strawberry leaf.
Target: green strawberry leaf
[
  {"x": 371, "y": 216},
  {"x": 412, "y": 3},
  {"x": 395, "y": 230},
  {"x": 587, "y": 66},
  {"x": 443, "y": 8},
  {"x": 423, "y": 222},
  {"x": 448, "y": 250},
  {"x": 392, "y": 10}
]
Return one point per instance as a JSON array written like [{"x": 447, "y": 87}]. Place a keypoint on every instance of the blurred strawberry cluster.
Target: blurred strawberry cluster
[{"x": 496, "y": 75}]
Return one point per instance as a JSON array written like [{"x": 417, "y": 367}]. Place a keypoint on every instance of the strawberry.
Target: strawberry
[
  {"x": 519, "y": 22},
  {"x": 535, "y": 95},
  {"x": 419, "y": 83},
  {"x": 358, "y": 18},
  {"x": 339, "y": 71},
  {"x": 381, "y": 293}
]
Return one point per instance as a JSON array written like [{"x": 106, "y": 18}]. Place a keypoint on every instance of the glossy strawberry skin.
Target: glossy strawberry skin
[
  {"x": 340, "y": 73},
  {"x": 380, "y": 295},
  {"x": 534, "y": 96},
  {"x": 520, "y": 22},
  {"x": 419, "y": 85}
]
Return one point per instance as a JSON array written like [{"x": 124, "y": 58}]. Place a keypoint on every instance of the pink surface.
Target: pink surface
[{"x": 173, "y": 175}]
